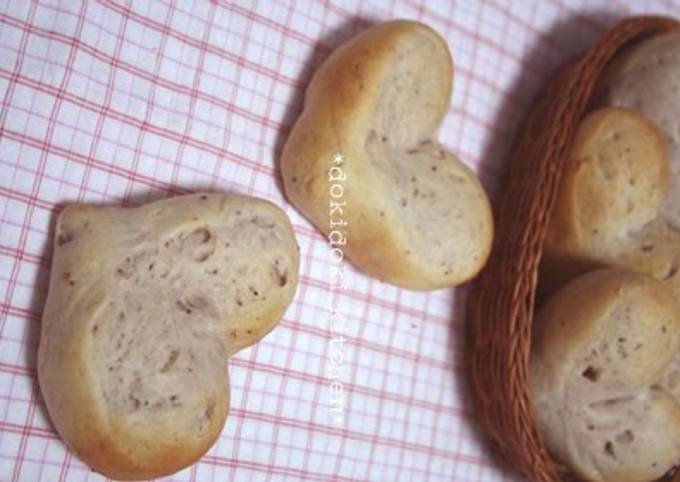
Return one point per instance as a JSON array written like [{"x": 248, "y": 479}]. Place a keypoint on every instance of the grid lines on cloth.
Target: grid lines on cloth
[{"x": 123, "y": 102}]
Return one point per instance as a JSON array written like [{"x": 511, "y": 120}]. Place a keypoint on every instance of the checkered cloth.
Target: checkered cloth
[{"x": 124, "y": 102}]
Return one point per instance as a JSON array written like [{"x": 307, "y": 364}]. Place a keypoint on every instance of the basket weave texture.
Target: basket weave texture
[{"x": 501, "y": 303}]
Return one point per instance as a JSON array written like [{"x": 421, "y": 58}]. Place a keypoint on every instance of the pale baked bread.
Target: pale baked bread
[
  {"x": 607, "y": 207},
  {"x": 600, "y": 347},
  {"x": 646, "y": 78},
  {"x": 412, "y": 214},
  {"x": 145, "y": 306}
]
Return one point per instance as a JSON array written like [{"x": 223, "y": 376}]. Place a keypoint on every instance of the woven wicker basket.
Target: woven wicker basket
[{"x": 502, "y": 301}]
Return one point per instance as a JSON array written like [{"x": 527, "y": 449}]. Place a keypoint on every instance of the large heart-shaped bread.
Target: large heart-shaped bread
[
  {"x": 145, "y": 306},
  {"x": 362, "y": 162},
  {"x": 600, "y": 347}
]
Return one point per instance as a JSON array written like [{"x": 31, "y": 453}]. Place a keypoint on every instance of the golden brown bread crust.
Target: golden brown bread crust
[
  {"x": 416, "y": 216},
  {"x": 144, "y": 308}
]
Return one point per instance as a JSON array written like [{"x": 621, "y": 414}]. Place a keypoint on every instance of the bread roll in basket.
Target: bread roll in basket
[{"x": 502, "y": 302}]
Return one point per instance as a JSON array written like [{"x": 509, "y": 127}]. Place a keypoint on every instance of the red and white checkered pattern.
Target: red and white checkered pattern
[{"x": 123, "y": 102}]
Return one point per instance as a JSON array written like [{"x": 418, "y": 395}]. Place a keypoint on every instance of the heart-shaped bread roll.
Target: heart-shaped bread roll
[
  {"x": 363, "y": 165},
  {"x": 145, "y": 306},
  {"x": 600, "y": 347},
  {"x": 608, "y": 204},
  {"x": 645, "y": 79}
]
